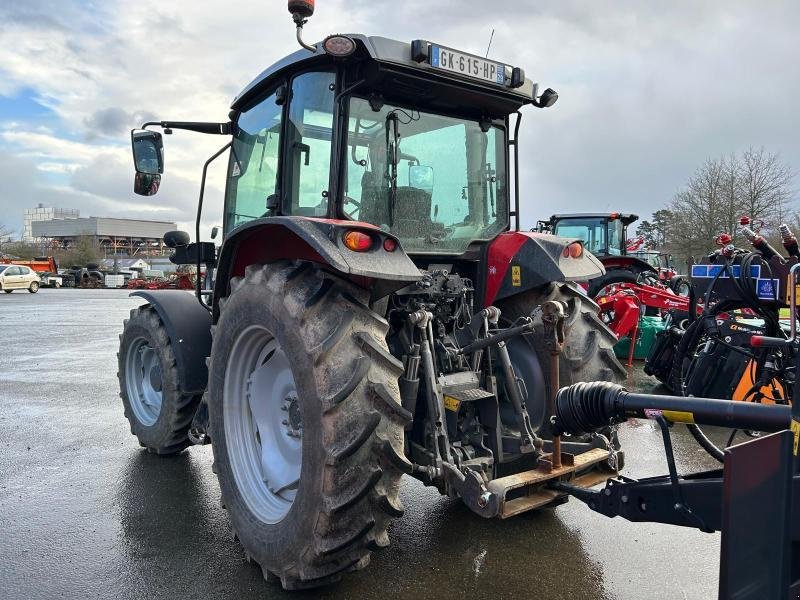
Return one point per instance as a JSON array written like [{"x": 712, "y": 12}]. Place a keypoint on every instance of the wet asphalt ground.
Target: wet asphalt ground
[{"x": 85, "y": 513}]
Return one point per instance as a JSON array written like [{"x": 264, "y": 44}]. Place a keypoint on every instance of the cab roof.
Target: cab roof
[
  {"x": 393, "y": 58},
  {"x": 626, "y": 218}
]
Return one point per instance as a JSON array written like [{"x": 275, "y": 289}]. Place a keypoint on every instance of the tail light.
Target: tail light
[
  {"x": 573, "y": 250},
  {"x": 357, "y": 241},
  {"x": 389, "y": 245}
]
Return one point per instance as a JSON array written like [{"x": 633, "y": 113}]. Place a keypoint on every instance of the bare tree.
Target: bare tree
[
  {"x": 699, "y": 211},
  {"x": 5, "y": 235},
  {"x": 765, "y": 186}
]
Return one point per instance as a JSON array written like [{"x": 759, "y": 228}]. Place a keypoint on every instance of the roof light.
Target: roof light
[
  {"x": 303, "y": 8},
  {"x": 339, "y": 45},
  {"x": 357, "y": 241}
]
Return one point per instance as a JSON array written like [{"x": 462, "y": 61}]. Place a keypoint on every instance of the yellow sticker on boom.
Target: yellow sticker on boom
[
  {"x": 678, "y": 416},
  {"x": 451, "y": 403},
  {"x": 516, "y": 276},
  {"x": 795, "y": 427}
]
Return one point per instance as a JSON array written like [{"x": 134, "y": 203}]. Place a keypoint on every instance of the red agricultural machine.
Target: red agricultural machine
[{"x": 376, "y": 310}]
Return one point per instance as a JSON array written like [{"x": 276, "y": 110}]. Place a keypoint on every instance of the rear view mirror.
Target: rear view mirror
[
  {"x": 214, "y": 232},
  {"x": 420, "y": 177},
  {"x": 148, "y": 151},
  {"x": 148, "y": 160},
  {"x": 145, "y": 184}
]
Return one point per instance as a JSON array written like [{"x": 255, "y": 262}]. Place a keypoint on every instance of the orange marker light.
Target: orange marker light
[
  {"x": 357, "y": 241},
  {"x": 575, "y": 249}
]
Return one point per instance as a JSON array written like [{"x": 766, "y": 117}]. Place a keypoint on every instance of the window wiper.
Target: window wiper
[{"x": 393, "y": 156}]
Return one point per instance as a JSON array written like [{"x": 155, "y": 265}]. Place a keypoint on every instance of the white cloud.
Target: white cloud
[{"x": 647, "y": 90}]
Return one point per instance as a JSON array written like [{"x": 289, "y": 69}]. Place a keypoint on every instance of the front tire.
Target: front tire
[
  {"x": 159, "y": 412},
  {"x": 290, "y": 336}
]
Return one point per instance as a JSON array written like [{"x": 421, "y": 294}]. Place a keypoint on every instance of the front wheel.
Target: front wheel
[
  {"x": 34, "y": 287},
  {"x": 159, "y": 412},
  {"x": 8, "y": 291},
  {"x": 306, "y": 424}
]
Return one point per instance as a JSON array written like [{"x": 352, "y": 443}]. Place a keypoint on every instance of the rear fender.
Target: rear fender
[
  {"x": 318, "y": 240},
  {"x": 522, "y": 260},
  {"x": 188, "y": 326}
]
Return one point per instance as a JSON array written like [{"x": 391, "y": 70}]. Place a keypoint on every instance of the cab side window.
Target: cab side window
[
  {"x": 309, "y": 133},
  {"x": 24, "y": 271},
  {"x": 11, "y": 271},
  {"x": 253, "y": 166}
]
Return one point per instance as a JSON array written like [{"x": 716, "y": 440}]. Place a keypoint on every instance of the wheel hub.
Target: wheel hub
[
  {"x": 143, "y": 381},
  {"x": 263, "y": 424}
]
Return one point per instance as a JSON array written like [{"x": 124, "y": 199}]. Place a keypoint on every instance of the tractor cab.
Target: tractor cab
[{"x": 602, "y": 234}]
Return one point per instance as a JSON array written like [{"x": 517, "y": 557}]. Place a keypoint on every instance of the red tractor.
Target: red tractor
[
  {"x": 606, "y": 236},
  {"x": 375, "y": 309}
]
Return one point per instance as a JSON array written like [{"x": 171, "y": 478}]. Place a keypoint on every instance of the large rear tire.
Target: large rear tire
[
  {"x": 159, "y": 412},
  {"x": 588, "y": 353},
  {"x": 295, "y": 339}
]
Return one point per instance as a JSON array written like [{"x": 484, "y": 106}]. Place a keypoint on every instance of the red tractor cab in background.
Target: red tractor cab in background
[{"x": 605, "y": 235}]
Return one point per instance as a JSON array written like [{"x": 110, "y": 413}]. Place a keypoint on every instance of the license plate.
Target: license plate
[{"x": 467, "y": 65}]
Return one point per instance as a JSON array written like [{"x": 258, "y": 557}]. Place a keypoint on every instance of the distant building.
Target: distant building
[
  {"x": 44, "y": 213},
  {"x": 125, "y": 264},
  {"x": 131, "y": 237}
]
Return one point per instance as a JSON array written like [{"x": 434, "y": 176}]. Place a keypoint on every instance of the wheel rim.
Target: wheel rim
[
  {"x": 35, "y": 286},
  {"x": 143, "y": 381},
  {"x": 263, "y": 426}
]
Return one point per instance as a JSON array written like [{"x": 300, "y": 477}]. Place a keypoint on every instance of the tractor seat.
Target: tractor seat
[{"x": 412, "y": 213}]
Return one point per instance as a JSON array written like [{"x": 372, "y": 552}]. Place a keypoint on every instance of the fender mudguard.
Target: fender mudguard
[
  {"x": 188, "y": 326},
  {"x": 270, "y": 239},
  {"x": 522, "y": 260}
]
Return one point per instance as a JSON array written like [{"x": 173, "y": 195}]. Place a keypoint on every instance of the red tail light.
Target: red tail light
[
  {"x": 357, "y": 241},
  {"x": 574, "y": 250},
  {"x": 389, "y": 245}
]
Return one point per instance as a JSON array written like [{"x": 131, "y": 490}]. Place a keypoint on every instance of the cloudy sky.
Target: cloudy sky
[{"x": 648, "y": 90}]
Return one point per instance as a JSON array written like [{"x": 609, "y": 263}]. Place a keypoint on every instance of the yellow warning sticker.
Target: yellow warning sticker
[
  {"x": 678, "y": 416},
  {"x": 451, "y": 403},
  {"x": 516, "y": 276},
  {"x": 796, "y": 431}
]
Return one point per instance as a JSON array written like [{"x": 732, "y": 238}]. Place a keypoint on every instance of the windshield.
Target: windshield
[
  {"x": 591, "y": 231},
  {"x": 3, "y": 268},
  {"x": 438, "y": 183},
  {"x": 599, "y": 235}
]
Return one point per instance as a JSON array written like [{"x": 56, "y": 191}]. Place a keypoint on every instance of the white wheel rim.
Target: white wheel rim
[
  {"x": 263, "y": 426},
  {"x": 143, "y": 381}
]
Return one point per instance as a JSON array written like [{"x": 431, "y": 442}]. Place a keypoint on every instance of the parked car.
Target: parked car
[{"x": 16, "y": 277}]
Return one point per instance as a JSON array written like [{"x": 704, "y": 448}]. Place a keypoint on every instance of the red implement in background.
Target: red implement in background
[
  {"x": 46, "y": 264},
  {"x": 621, "y": 305}
]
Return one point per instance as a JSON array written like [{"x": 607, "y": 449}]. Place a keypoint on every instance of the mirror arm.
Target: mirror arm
[
  {"x": 200, "y": 127},
  {"x": 213, "y": 157}
]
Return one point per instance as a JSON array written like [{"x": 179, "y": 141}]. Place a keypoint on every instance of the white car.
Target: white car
[{"x": 17, "y": 277}]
